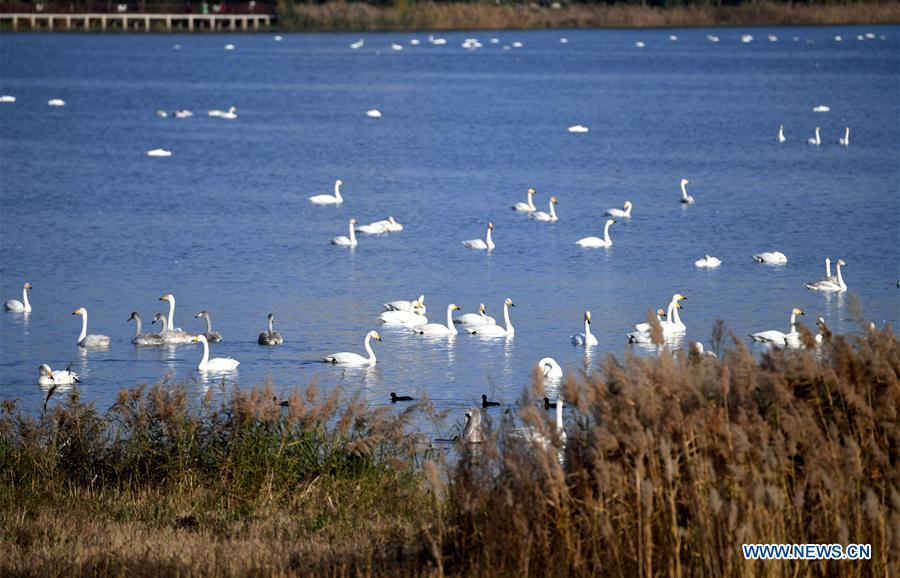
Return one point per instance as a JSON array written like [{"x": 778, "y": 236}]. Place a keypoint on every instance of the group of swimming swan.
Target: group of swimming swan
[
  {"x": 389, "y": 225},
  {"x": 474, "y": 431},
  {"x": 816, "y": 139},
  {"x": 830, "y": 283},
  {"x": 671, "y": 326},
  {"x": 411, "y": 314}
]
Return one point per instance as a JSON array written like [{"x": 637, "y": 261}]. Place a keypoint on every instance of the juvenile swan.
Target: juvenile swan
[
  {"x": 22, "y": 306},
  {"x": 217, "y": 363},
  {"x": 270, "y": 336},
  {"x": 348, "y": 358},
  {"x": 335, "y": 199},
  {"x": 585, "y": 339},
  {"x": 143, "y": 338},
  {"x": 487, "y": 244},
  {"x": 85, "y": 340},
  {"x": 597, "y": 242},
  {"x": 211, "y": 336}
]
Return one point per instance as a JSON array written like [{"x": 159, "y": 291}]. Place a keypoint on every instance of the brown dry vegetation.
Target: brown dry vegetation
[
  {"x": 670, "y": 465},
  {"x": 357, "y": 16}
]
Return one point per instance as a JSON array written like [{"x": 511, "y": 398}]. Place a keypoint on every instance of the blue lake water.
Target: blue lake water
[{"x": 225, "y": 225}]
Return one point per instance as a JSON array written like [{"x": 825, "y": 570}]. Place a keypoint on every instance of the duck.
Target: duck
[
  {"x": 143, "y": 338},
  {"x": 85, "y": 340},
  {"x": 496, "y": 330},
  {"x": 834, "y": 284},
  {"x": 47, "y": 376},
  {"x": 781, "y": 133},
  {"x": 486, "y": 403},
  {"x": 686, "y": 199},
  {"x": 211, "y": 336},
  {"x": 478, "y": 244},
  {"x": 473, "y": 431},
  {"x": 585, "y": 339},
  {"x": 549, "y": 404},
  {"x": 438, "y": 328},
  {"x": 23, "y": 306},
  {"x": 546, "y": 217},
  {"x": 526, "y": 207},
  {"x": 348, "y": 358},
  {"x": 550, "y": 368},
  {"x": 707, "y": 262},
  {"x": 395, "y": 398},
  {"x": 815, "y": 140},
  {"x": 480, "y": 318},
  {"x": 771, "y": 258},
  {"x": 845, "y": 140},
  {"x": 405, "y": 305},
  {"x": 597, "y": 242},
  {"x": 270, "y": 336},
  {"x": 623, "y": 213},
  {"x": 217, "y": 363},
  {"x": 773, "y": 337},
  {"x": 344, "y": 241},
  {"x": 335, "y": 199}
]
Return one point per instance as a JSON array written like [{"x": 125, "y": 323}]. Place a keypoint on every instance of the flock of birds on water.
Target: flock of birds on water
[{"x": 412, "y": 313}]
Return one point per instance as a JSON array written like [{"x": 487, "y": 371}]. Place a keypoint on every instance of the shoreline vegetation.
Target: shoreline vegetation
[
  {"x": 670, "y": 464},
  {"x": 407, "y": 16}
]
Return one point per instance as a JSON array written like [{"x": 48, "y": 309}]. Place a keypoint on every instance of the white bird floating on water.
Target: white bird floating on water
[
  {"x": 414, "y": 41},
  {"x": 215, "y": 364},
  {"x": 586, "y": 339},
  {"x": 561, "y": 41},
  {"x": 623, "y": 213},
  {"x": 85, "y": 340},
  {"x": 830, "y": 284},
  {"x": 597, "y": 242},
  {"x": 821, "y": 108},
  {"x": 16, "y": 306},
  {"x": 845, "y": 140},
  {"x": 173, "y": 335},
  {"x": 358, "y": 44},
  {"x": 397, "y": 47},
  {"x": 436, "y": 41},
  {"x": 673, "y": 38},
  {"x": 348, "y": 358},
  {"x": 781, "y": 133},
  {"x": 480, "y": 318},
  {"x": 390, "y": 225},
  {"x": 578, "y": 128},
  {"x": 471, "y": 43},
  {"x": 183, "y": 113},
  {"x": 838, "y": 38},
  {"x": 773, "y": 337},
  {"x": 230, "y": 114},
  {"x": 642, "y": 331},
  {"x": 493, "y": 330},
  {"x": 686, "y": 199},
  {"x": 344, "y": 241},
  {"x": 771, "y": 258},
  {"x": 712, "y": 37},
  {"x": 56, "y": 102},
  {"x": 159, "y": 153},
  {"x": 277, "y": 38},
  {"x": 550, "y": 369},
  {"x": 404, "y": 305},
  {"x": 7, "y": 98},
  {"x": 639, "y": 44},
  {"x": 526, "y": 207},
  {"x": 746, "y": 38},
  {"x": 374, "y": 113},
  {"x": 47, "y": 376},
  {"x": 229, "y": 47},
  {"x": 412, "y": 316},
  {"x": 815, "y": 140},
  {"x": 439, "y": 328},
  {"x": 707, "y": 262},
  {"x": 162, "y": 114},
  {"x": 548, "y": 217},
  {"x": 478, "y": 244},
  {"x": 534, "y": 436},
  {"x": 517, "y": 44},
  {"x": 335, "y": 199},
  {"x": 772, "y": 38}
]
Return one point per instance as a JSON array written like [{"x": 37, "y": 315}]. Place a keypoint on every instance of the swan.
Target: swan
[
  {"x": 211, "y": 336},
  {"x": 673, "y": 318},
  {"x": 270, "y": 336},
  {"x": 698, "y": 349},
  {"x": 707, "y": 262},
  {"x": 526, "y": 207},
  {"x": 517, "y": 44},
  {"x": 815, "y": 140},
  {"x": 171, "y": 334},
  {"x": 479, "y": 318},
  {"x": 344, "y": 241},
  {"x": 56, "y": 102},
  {"x": 824, "y": 333},
  {"x": 374, "y": 113},
  {"x": 22, "y": 306},
  {"x": 639, "y": 44},
  {"x": 347, "y": 358},
  {"x": 533, "y": 435},
  {"x": 831, "y": 284},
  {"x": 143, "y": 338},
  {"x": 496, "y": 330},
  {"x": 564, "y": 40},
  {"x": 217, "y": 363},
  {"x": 642, "y": 331},
  {"x": 159, "y": 153},
  {"x": 845, "y": 140},
  {"x": 162, "y": 321},
  {"x": 358, "y": 44},
  {"x": 550, "y": 369},
  {"x": 414, "y": 315},
  {"x": 230, "y": 114},
  {"x": 623, "y": 213},
  {"x": 389, "y": 225},
  {"x": 781, "y": 133},
  {"x": 822, "y": 108},
  {"x": 774, "y": 337},
  {"x": 488, "y": 243},
  {"x": 183, "y": 113},
  {"x": 673, "y": 38},
  {"x": 162, "y": 114},
  {"x": 7, "y": 98},
  {"x": 397, "y": 47},
  {"x": 596, "y": 242},
  {"x": 47, "y": 376},
  {"x": 473, "y": 431},
  {"x": 578, "y": 128},
  {"x": 404, "y": 305},
  {"x": 438, "y": 328},
  {"x": 229, "y": 47},
  {"x": 371, "y": 229},
  {"x": 771, "y": 258},
  {"x": 542, "y": 216},
  {"x": 85, "y": 340},
  {"x": 686, "y": 199},
  {"x": 436, "y": 41},
  {"x": 586, "y": 339},
  {"x": 746, "y": 38},
  {"x": 335, "y": 199}
]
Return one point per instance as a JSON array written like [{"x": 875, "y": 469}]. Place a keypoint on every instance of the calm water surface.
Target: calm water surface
[{"x": 225, "y": 224}]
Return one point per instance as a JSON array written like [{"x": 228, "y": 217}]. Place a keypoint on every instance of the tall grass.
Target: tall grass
[{"x": 670, "y": 465}]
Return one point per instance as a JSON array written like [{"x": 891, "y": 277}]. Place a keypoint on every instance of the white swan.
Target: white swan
[
  {"x": 390, "y": 225},
  {"x": 774, "y": 337},
  {"x": 374, "y": 113},
  {"x": 845, "y": 140},
  {"x": 534, "y": 435},
  {"x": 172, "y": 334},
  {"x": 526, "y": 207},
  {"x": 831, "y": 284},
  {"x": 824, "y": 334},
  {"x": 335, "y": 199},
  {"x": 348, "y": 358},
  {"x": 404, "y": 305},
  {"x": 815, "y": 140},
  {"x": 159, "y": 153},
  {"x": 698, "y": 348},
  {"x": 143, "y": 338},
  {"x": 85, "y": 340},
  {"x": 771, "y": 258},
  {"x": 480, "y": 318},
  {"x": 781, "y": 133},
  {"x": 487, "y": 244},
  {"x": 674, "y": 324},
  {"x": 230, "y": 114},
  {"x": 578, "y": 128},
  {"x": 550, "y": 369},
  {"x": 371, "y": 229},
  {"x": 7, "y": 98},
  {"x": 585, "y": 339},
  {"x": 397, "y": 47},
  {"x": 345, "y": 241},
  {"x": 707, "y": 262},
  {"x": 183, "y": 113},
  {"x": 542, "y": 216},
  {"x": 229, "y": 47},
  {"x": 414, "y": 315},
  {"x": 822, "y": 108},
  {"x": 496, "y": 330},
  {"x": 438, "y": 328},
  {"x": 358, "y": 44},
  {"x": 596, "y": 242},
  {"x": 623, "y": 213},
  {"x": 645, "y": 326},
  {"x": 685, "y": 197},
  {"x": 22, "y": 306},
  {"x": 47, "y": 376},
  {"x": 56, "y": 102},
  {"x": 216, "y": 363}
]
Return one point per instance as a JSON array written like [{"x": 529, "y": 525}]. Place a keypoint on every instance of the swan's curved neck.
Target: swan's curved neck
[
  {"x": 337, "y": 191},
  {"x": 489, "y": 241},
  {"x": 840, "y": 278},
  {"x": 684, "y": 194},
  {"x": 509, "y": 326},
  {"x": 25, "y": 298},
  {"x": 369, "y": 350},
  {"x": 559, "y": 416},
  {"x": 352, "y": 235},
  {"x": 606, "y": 233},
  {"x": 531, "y": 200},
  {"x": 137, "y": 326},
  {"x": 827, "y": 267},
  {"x": 205, "y": 361},
  {"x": 670, "y": 314},
  {"x": 271, "y": 322},
  {"x": 450, "y": 324},
  {"x": 553, "y": 211},
  {"x": 170, "y": 321},
  {"x": 817, "y": 136},
  {"x": 628, "y": 211},
  {"x": 793, "y": 323},
  {"x": 587, "y": 330},
  {"x": 208, "y": 323},
  {"x": 83, "y": 326},
  {"x": 781, "y": 132}
]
